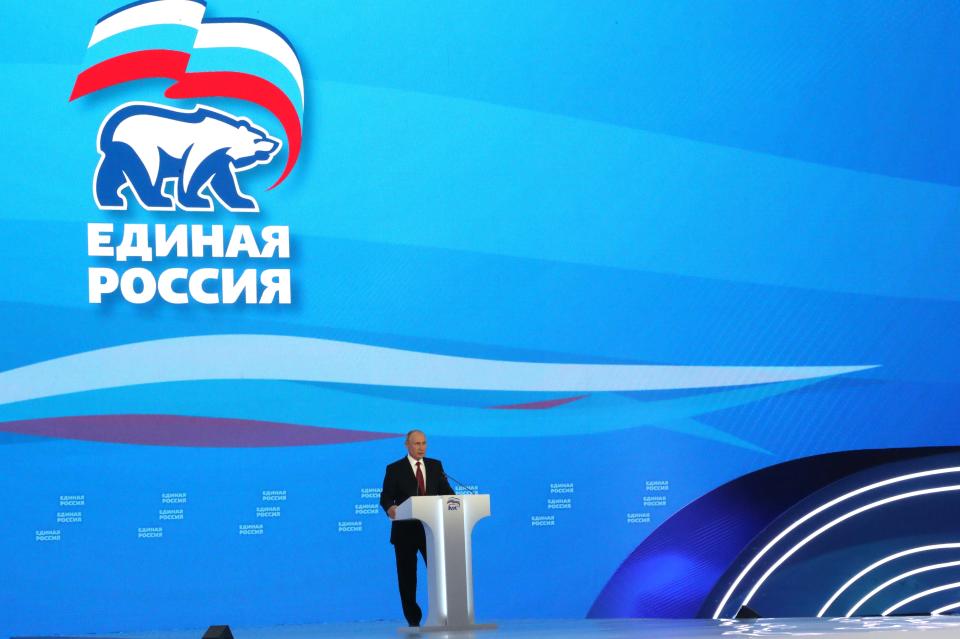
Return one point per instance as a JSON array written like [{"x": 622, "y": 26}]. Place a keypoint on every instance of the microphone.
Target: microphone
[{"x": 470, "y": 490}]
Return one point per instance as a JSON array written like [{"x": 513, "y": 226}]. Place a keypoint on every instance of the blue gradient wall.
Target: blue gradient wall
[{"x": 609, "y": 257}]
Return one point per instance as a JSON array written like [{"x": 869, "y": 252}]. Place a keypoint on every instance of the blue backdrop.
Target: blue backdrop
[{"x": 608, "y": 256}]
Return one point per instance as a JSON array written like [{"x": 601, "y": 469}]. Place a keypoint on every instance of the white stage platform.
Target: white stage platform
[{"x": 863, "y": 627}]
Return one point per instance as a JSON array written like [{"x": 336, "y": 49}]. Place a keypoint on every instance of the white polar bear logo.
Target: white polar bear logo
[{"x": 144, "y": 146}]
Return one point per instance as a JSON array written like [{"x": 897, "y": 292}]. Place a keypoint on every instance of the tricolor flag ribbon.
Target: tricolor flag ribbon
[{"x": 242, "y": 59}]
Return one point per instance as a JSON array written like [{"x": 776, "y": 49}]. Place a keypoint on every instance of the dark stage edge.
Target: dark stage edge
[{"x": 866, "y": 627}]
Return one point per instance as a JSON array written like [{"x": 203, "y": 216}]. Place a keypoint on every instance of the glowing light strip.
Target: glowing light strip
[
  {"x": 183, "y": 12},
  {"x": 915, "y": 571},
  {"x": 946, "y": 609},
  {"x": 814, "y": 513},
  {"x": 919, "y": 595},
  {"x": 839, "y": 520},
  {"x": 877, "y": 564}
]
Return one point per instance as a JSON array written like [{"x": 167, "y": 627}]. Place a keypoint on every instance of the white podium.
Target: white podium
[{"x": 448, "y": 522}]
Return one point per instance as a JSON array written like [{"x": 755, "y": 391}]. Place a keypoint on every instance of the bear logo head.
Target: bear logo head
[
  {"x": 254, "y": 146},
  {"x": 144, "y": 147}
]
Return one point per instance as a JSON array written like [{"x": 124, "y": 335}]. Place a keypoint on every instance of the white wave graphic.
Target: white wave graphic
[{"x": 280, "y": 357}]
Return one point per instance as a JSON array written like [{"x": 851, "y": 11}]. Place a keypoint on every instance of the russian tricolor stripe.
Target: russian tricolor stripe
[
  {"x": 241, "y": 59},
  {"x": 182, "y": 13}
]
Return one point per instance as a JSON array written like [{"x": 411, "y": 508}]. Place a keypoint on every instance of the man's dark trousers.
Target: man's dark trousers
[{"x": 406, "y": 553}]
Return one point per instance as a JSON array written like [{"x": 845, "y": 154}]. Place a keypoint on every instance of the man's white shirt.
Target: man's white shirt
[{"x": 413, "y": 468}]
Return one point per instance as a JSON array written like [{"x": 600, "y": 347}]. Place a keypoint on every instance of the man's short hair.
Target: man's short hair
[{"x": 410, "y": 434}]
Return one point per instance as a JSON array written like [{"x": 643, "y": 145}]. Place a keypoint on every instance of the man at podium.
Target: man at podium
[{"x": 409, "y": 477}]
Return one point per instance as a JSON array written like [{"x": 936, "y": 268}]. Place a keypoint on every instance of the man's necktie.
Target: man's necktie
[{"x": 421, "y": 488}]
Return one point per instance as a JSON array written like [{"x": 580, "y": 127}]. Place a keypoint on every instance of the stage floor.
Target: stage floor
[{"x": 865, "y": 627}]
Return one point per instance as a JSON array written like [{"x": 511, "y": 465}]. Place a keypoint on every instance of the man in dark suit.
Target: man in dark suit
[{"x": 408, "y": 477}]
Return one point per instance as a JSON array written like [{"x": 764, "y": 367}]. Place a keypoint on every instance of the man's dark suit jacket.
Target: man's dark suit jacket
[{"x": 399, "y": 483}]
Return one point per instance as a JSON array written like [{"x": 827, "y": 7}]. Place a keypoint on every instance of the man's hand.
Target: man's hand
[{"x": 392, "y": 512}]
